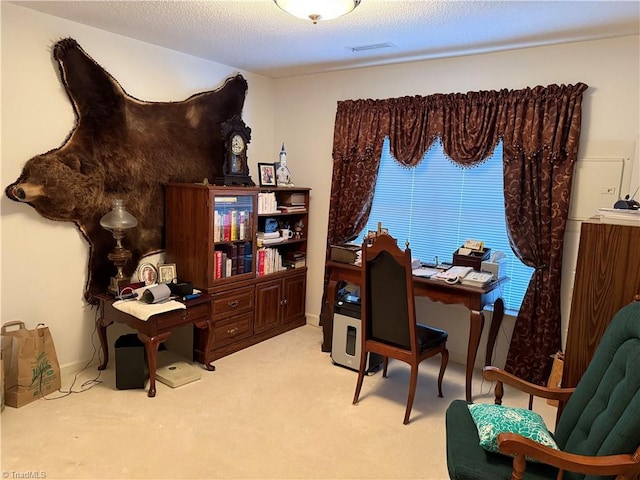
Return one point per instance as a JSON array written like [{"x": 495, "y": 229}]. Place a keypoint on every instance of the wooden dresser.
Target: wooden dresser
[{"x": 607, "y": 278}]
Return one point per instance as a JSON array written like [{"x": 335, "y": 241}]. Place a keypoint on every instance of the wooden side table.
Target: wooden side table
[{"x": 156, "y": 329}]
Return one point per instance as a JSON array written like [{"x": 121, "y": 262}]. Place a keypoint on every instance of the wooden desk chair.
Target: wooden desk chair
[
  {"x": 389, "y": 325},
  {"x": 598, "y": 432}
]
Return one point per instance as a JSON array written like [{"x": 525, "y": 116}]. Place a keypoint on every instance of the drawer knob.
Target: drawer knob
[
  {"x": 232, "y": 331},
  {"x": 233, "y": 304},
  {"x": 184, "y": 314}
]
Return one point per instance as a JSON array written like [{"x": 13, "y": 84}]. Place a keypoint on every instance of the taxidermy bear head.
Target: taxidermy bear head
[{"x": 123, "y": 148}]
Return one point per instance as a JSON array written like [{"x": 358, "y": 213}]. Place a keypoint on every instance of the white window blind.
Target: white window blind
[{"x": 438, "y": 205}]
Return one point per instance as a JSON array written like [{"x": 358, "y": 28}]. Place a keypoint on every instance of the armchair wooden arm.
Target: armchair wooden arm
[
  {"x": 626, "y": 467},
  {"x": 495, "y": 374}
]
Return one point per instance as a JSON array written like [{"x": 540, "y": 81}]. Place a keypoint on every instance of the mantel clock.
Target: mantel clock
[{"x": 235, "y": 171}]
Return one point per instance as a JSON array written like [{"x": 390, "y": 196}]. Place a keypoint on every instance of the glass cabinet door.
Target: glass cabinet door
[{"x": 232, "y": 235}]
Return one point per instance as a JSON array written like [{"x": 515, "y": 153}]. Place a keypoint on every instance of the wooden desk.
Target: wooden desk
[
  {"x": 474, "y": 298},
  {"x": 156, "y": 329}
]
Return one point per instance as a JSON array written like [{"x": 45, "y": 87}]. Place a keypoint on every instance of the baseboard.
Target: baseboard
[
  {"x": 68, "y": 372},
  {"x": 313, "y": 319}
]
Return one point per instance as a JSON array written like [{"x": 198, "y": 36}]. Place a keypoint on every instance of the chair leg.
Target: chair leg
[
  {"x": 363, "y": 363},
  {"x": 412, "y": 392},
  {"x": 385, "y": 364},
  {"x": 443, "y": 366}
]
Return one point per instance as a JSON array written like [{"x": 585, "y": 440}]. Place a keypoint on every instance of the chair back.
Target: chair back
[
  {"x": 602, "y": 417},
  {"x": 388, "y": 309}
]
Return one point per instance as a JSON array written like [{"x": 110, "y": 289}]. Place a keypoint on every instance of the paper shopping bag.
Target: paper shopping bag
[{"x": 31, "y": 364}]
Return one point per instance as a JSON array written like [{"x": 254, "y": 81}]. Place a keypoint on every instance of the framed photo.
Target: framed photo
[
  {"x": 167, "y": 273},
  {"x": 267, "y": 174},
  {"x": 147, "y": 273}
]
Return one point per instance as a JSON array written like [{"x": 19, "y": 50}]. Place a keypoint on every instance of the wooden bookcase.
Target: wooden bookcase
[{"x": 211, "y": 236}]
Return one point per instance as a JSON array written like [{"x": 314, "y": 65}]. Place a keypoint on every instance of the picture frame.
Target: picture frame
[
  {"x": 167, "y": 273},
  {"x": 267, "y": 174},
  {"x": 147, "y": 273}
]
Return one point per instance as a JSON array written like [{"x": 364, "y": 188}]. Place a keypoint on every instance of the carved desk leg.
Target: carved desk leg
[
  {"x": 208, "y": 324},
  {"x": 496, "y": 321},
  {"x": 101, "y": 326},
  {"x": 327, "y": 319},
  {"x": 476, "y": 319},
  {"x": 151, "y": 347}
]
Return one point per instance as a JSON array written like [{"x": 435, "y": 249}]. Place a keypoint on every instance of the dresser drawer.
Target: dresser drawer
[
  {"x": 182, "y": 317},
  {"x": 231, "y": 329},
  {"x": 233, "y": 302}
]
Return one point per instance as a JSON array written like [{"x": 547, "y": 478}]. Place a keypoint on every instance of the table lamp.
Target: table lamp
[{"x": 117, "y": 221}]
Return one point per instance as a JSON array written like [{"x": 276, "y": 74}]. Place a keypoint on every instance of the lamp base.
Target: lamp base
[{"x": 116, "y": 285}]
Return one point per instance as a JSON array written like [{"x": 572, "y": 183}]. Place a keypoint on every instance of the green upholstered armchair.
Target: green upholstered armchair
[{"x": 597, "y": 434}]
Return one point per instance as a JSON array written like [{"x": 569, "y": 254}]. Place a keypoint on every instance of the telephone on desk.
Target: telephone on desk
[{"x": 464, "y": 275}]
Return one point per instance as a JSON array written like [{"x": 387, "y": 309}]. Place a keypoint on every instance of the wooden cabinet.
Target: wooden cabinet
[
  {"x": 211, "y": 236},
  {"x": 607, "y": 277},
  {"x": 269, "y": 295},
  {"x": 280, "y": 302},
  {"x": 294, "y": 296}
]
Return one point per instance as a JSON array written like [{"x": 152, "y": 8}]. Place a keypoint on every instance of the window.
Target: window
[{"x": 438, "y": 205}]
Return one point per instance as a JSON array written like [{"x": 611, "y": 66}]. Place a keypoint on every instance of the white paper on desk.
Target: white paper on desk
[
  {"x": 143, "y": 310},
  {"x": 425, "y": 272}
]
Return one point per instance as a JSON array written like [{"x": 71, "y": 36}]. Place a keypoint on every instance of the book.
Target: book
[
  {"x": 240, "y": 258},
  {"x": 292, "y": 209},
  {"x": 218, "y": 264},
  {"x": 275, "y": 234},
  {"x": 243, "y": 232},
  {"x": 248, "y": 257},
  {"x": 295, "y": 255},
  {"x": 233, "y": 220},
  {"x": 270, "y": 241},
  {"x": 229, "y": 267},
  {"x": 226, "y": 222},
  {"x": 295, "y": 264},
  {"x": 260, "y": 262}
]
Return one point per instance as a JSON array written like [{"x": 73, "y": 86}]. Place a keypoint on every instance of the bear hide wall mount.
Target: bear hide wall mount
[{"x": 123, "y": 148}]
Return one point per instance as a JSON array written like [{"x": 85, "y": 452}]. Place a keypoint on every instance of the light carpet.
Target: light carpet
[{"x": 278, "y": 410}]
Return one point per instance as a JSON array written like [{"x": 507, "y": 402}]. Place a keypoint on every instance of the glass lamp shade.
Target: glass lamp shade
[
  {"x": 118, "y": 218},
  {"x": 117, "y": 221},
  {"x": 317, "y": 9}
]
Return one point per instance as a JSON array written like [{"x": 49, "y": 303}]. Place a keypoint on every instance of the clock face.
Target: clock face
[{"x": 237, "y": 144}]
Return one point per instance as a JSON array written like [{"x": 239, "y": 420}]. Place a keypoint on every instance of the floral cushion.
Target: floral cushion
[{"x": 492, "y": 420}]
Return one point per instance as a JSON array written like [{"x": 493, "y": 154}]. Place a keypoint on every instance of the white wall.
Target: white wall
[
  {"x": 44, "y": 263},
  {"x": 610, "y": 114}
]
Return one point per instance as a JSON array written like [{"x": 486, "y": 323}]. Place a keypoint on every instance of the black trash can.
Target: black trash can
[{"x": 131, "y": 367}]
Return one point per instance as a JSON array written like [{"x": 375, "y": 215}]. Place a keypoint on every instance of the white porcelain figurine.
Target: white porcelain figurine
[{"x": 283, "y": 173}]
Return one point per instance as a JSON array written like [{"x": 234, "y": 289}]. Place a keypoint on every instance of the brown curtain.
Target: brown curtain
[{"x": 540, "y": 130}]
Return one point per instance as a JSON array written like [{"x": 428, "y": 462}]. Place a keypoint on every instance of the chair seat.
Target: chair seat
[
  {"x": 429, "y": 337},
  {"x": 467, "y": 460}
]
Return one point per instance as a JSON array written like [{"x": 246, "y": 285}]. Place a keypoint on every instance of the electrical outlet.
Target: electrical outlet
[{"x": 608, "y": 190}]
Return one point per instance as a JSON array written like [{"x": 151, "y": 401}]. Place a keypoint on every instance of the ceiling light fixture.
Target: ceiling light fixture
[{"x": 317, "y": 9}]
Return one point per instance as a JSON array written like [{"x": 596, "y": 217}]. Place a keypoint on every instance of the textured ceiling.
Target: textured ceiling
[{"x": 257, "y": 36}]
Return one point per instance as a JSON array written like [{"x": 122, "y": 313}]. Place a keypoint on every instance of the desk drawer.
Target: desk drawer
[
  {"x": 231, "y": 303},
  {"x": 181, "y": 317},
  {"x": 231, "y": 329}
]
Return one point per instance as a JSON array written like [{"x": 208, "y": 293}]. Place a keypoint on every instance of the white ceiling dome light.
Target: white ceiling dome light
[{"x": 316, "y": 10}]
